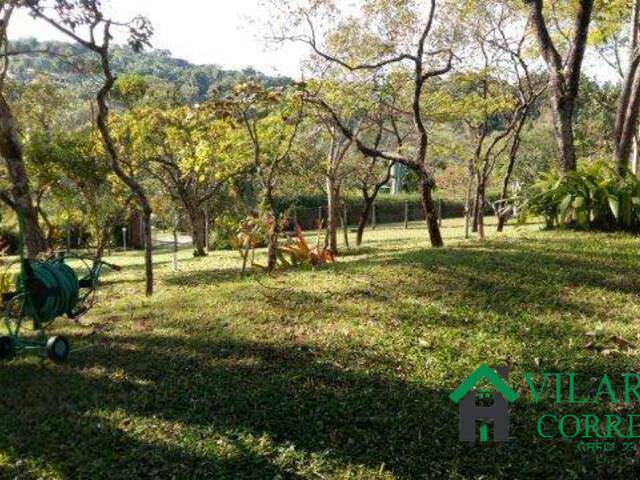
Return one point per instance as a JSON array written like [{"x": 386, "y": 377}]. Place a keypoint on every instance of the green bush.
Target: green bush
[
  {"x": 224, "y": 229},
  {"x": 592, "y": 197}
]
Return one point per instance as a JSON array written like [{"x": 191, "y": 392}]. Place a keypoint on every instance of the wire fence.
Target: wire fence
[
  {"x": 310, "y": 218},
  {"x": 131, "y": 236}
]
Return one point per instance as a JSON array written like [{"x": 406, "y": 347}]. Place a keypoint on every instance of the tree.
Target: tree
[
  {"x": 491, "y": 118},
  {"x": 189, "y": 152},
  {"x": 506, "y": 91},
  {"x": 20, "y": 199},
  {"x": 372, "y": 43},
  {"x": 628, "y": 111},
  {"x": 69, "y": 173},
  {"x": 385, "y": 130},
  {"x": 76, "y": 178},
  {"x": 271, "y": 120},
  {"x": 336, "y": 150},
  {"x": 71, "y": 17},
  {"x": 376, "y": 175},
  {"x": 564, "y": 71}
]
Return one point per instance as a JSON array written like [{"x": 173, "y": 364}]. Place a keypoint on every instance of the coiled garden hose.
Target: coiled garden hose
[{"x": 55, "y": 289}]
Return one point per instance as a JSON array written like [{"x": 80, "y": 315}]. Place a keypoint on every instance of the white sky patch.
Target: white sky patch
[
  {"x": 228, "y": 33},
  {"x": 220, "y": 32}
]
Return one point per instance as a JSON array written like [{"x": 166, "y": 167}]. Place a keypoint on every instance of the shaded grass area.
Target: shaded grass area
[{"x": 339, "y": 372}]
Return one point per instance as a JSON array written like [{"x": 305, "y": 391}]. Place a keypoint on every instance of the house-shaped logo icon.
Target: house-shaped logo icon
[{"x": 471, "y": 413}]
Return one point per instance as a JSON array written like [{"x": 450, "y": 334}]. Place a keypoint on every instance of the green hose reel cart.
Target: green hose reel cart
[{"x": 44, "y": 291}]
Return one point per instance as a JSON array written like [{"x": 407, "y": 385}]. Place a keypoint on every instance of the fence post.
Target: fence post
[
  {"x": 319, "y": 218},
  {"x": 175, "y": 250},
  {"x": 374, "y": 220},
  {"x": 68, "y": 237},
  {"x": 440, "y": 212},
  {"x": 124, "y": 239},
  {"x": 206, "y": 229},
  {"x": 176, "y": 226},
  {"x": 406, "y": 215}
]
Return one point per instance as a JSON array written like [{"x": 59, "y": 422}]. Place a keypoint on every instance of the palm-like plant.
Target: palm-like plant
[{"x": 592, "y": 197}]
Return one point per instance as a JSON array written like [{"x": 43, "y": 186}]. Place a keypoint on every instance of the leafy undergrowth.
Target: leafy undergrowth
[{"x": 339, "y": 372}]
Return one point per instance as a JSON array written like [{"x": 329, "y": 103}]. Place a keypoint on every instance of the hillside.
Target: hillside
[{"x": 71, "y": 65}]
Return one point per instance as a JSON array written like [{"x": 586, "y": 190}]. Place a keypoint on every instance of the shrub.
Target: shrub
[
  {"x": 224, "y": 230},
  {"x": 592, "y": 197}
]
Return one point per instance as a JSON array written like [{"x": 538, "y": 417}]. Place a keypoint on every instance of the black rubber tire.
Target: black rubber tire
[
  {"x": 7, "y": 348},
  {"x": 58, "y": 349}
]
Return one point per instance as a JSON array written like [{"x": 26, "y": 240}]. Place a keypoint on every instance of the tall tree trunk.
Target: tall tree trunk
[
  {"x": 332, "y": 214},
  {"x": 624, "y": 147},
  {"x": 503, "y": 215},
  {"x": 626, "y": 126},
  {"x": 11, "y": 151},
  {"x": 364, "y": 218},
  {"x": 197, "y": 220},
  {"x": 636, "y": 157},
  {"x": 564, "y": 74},
  {"x": 563, "y": 109},
  {"x": 148, "y": 251},
  {"x": 475, "y": 209},
  {"x": 480, "y": 196},
  {"x": 272, "y": 250},
  {"x": 468, "y": 207},
  {"x": 102, "y": 122},
  {"x": 427, "y": 184}
]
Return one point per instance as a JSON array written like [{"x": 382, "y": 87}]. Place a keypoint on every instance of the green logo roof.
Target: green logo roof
[{"x": 484, "y": 371}]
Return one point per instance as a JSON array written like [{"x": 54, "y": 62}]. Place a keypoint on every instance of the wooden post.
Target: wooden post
[
  {"x": 175, "y": 243},
  {"x": 406, "y": 215},
  {"x": 374, "y": 220},
  {"x": 68, "y": 237},
  {"x": 175, "y": 250},
  {"x": 206, "y": 229},
  {"x": 440, "y": 212}
]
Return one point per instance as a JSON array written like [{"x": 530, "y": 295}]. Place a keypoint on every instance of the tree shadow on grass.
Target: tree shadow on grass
[
  {"x": 204, "y": 277},
  {"x": 357, "y": 251},
  {"x": 145, "y": 406},
  {"x": 212, "y": 406},
  {"x": 506, "y": 278}
]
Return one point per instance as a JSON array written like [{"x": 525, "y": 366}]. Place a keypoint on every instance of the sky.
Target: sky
[{"x": 220, "y": 32}]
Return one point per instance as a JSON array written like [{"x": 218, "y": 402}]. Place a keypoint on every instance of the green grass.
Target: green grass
[{"x": 339, "y": 372}]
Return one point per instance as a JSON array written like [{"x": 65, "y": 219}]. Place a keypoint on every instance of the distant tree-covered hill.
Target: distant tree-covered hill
[{"x": 72, "y": 65}]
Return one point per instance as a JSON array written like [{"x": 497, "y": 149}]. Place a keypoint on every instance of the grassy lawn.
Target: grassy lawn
[{"x": 338, "y": 372}]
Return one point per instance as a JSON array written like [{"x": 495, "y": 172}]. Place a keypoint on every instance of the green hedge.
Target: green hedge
[{"x": 389, "y": 208}]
